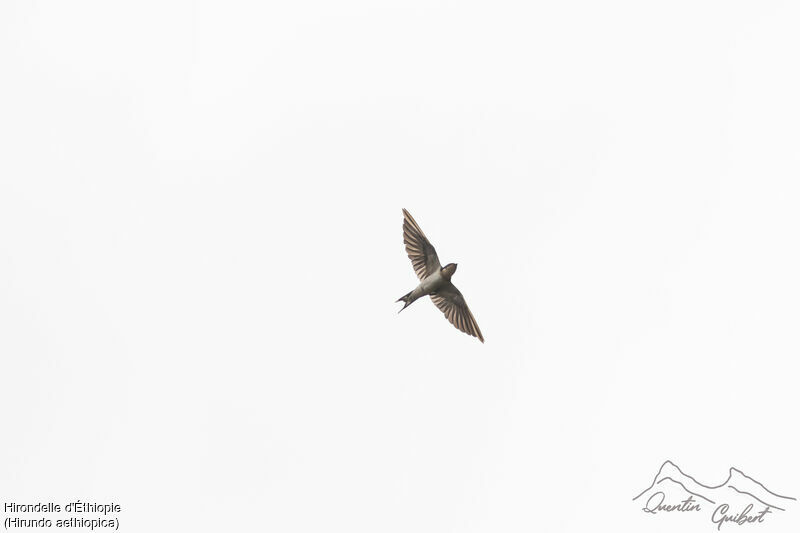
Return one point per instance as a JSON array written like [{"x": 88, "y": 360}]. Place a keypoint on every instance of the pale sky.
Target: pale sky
[{"x": 201, "y": 249}]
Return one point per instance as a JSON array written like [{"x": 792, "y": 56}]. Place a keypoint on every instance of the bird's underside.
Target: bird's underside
[{"x": 434, "y": 280}]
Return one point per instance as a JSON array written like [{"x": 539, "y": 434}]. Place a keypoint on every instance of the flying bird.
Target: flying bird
[{"x": 435, "y": 279}]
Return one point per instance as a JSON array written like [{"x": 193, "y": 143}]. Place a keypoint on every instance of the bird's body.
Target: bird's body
[
  {"x": 435, "y": 279},
  {"x": 427, "y": 286}
]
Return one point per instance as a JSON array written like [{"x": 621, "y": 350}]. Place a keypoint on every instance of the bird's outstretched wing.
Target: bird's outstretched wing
[
  {"x": 450, "y": 302},
  {"x": 419, "y": 249}
]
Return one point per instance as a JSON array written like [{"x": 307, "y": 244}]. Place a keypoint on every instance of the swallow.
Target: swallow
[{"x": 435, "y": 279}]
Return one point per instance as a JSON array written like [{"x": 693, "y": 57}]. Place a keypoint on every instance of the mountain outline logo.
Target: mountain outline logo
[{"x": 739, "y": 500}]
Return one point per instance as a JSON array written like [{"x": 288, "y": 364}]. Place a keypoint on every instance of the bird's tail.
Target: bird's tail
[{"x": 406, "y": 299}]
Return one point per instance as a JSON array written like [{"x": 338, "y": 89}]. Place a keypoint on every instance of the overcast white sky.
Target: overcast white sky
[{"x": 201, "y": 246}]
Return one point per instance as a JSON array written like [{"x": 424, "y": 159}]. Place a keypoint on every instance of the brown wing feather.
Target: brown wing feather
[
  {"x": 418, "y": 247},
  {"x": 450, "y": 302}
]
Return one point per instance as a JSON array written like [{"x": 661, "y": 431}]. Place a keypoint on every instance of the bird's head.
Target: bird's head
[{"x": 448, "y": 270}]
